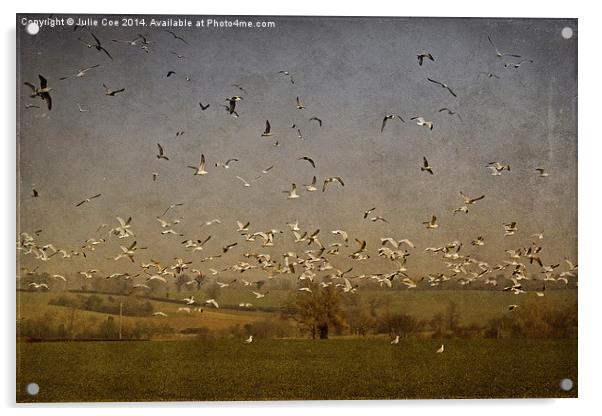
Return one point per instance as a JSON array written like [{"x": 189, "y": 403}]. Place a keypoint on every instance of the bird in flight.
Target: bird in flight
[
  {"x": 311, "y": 162},
  {"x": 111, "y": 93},
  {"x": 80, "y": 73},
  {"x": 161, "y": 154},
  {"x": 226, "y": 165},
  {"x": 443, "y": 85},
  {"x": 288, "y": 74},
  {"x": 468, "y": 200},
  {"x": 542, "y": 172},
  {"x": 43, "y": 92},
  {"x": 332, "y": 179},
  {"x": 368, "y": 211},
  {"x": 432, "y": 224},
  {"x": 451, "y": 112},
  {"x": 316, "y": 119},
  {"x": 497, "y": 51},
  {"x": 423, "y": 56},
  {"x": 517, "y": 64},
  {"x": 268, "y": 129},
  {"x": 300, "y": 105},
  {"x": 200, "y": 169},
  {"x": 34, "y": 193},
  {"x": 176, "y": 36},
  {"x": 97, "y": 45},
  {"x": 390, "y": 117},
  {"x": 231, "y": 107},
  {"x": 292, "y": 194},
  {"x": 204, "y": 107},
  {"x": 88, "y": 199},
  {"x": 489, "y": 74},
  {"x": 425, "y": 166},
  {"x": 422, "y": 122}
]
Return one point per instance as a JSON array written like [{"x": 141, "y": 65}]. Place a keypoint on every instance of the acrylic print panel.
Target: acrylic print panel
[{"x": 295, "y": 208}]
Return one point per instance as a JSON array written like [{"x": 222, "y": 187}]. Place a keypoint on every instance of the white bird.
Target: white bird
[
  {"x": 189, "y": 301},
  {"x": 292, "y": 194},
  {"x": 422, "y": 122},
  {"x": 432, "y": 224},
  {"x": 212, "y": 302},
  {"x": 441, "y": 349},
  {"x": 258, "y": 295},
  {"x": 200, "y": 169},
  {"x": 160, "y": 314},
  {"x": 249, "y": 340},
  {"x": 542, "y": 172},
  {"x": 395, "y": 341}
]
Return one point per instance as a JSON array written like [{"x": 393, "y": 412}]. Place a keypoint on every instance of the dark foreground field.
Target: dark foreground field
[{"x": 294, "y": 369}]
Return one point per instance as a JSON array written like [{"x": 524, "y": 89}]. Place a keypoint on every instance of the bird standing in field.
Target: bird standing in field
[
  {"x": 441, "y": 349},
  {"x": 249, "y": 340},
  {"x": 395, "y": 341}
]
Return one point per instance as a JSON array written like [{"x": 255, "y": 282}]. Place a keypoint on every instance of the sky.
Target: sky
[{"x": 349, "y": 72}]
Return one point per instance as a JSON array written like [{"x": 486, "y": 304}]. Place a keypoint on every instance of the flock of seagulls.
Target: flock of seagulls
[{"x": 316, "y": 258}]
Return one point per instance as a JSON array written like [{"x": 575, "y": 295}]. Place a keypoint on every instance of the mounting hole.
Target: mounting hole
[
  {"x": 32, "y": 28},
  {"x": 566, "y": 384},
  {"x": 32, "y": 389},
  {"x": 566, "y": 32}
]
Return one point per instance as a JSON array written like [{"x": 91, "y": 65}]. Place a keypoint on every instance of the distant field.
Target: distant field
[
  {"x": 294, "y": 369},
  {"x": 35, "y": 304},
  {"x": 474, "y": 306}
]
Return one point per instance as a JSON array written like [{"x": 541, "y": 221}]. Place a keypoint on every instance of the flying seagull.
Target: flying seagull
[
  {"x": 432, "y": 224},
  {"x": 498, "y": 53},
  {"x": 311, "y": 162},
  {"x": 43, "y": 92},
  {"x": 97, "y": 45},
  {"x": 389, "y": 117},
  {"x": 422, "y": 122},
  {"x": 468, "y": 200},
  {"x": 426, "y": 167},
  {"x": 517, "y": 64},
  {"x": 333, "y": 179},
  {"x": 443, "y": 85},
  {"x": 88, "y": 200},
  {"x": 200, "y": 169},
  {"x": 226, "y": 165},
  {"x": 268, "y": 129},
  {"x": 316, "y": 119},
  {"x": 80, "y": 73},
  {"x": 424, "y": 55},
  {"x": 300, "y": 105},
  {"x": 368, "y": 211},
  {"x": 176, "y": 36},
  {"x": 203, "y": 107},
  {"x": 161, "y": 154},
  {"x": 451, "y": 112},
  {"x": 542, "y": 172},
  {"x": 292, "y": 194},
  {"x": 110, "y": 92},
  {"x": 288, "y": 74}
]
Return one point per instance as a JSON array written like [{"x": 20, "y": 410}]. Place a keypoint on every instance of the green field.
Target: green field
[
  {"x": 294, "y": 369},
  {"x": 474, "y": 306}
]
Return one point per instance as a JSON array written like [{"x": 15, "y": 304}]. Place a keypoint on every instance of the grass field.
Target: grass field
[
  {"x": 294, "y": 369},
  {"x": 474, "y": 306}
]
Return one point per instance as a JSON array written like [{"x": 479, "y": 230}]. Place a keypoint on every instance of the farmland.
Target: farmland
[{"x": 338, "y": 368}]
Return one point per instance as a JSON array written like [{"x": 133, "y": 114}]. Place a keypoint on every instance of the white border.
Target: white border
[{"x": 589, "y": 197}]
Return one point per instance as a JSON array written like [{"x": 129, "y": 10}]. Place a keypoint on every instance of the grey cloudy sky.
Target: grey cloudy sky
[{"x": 350, "y": 72}]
